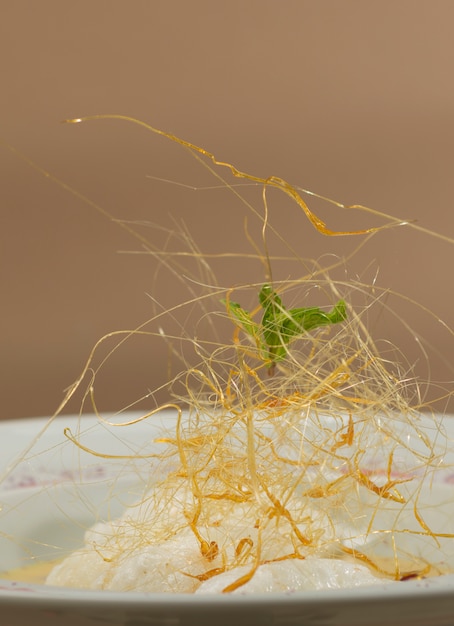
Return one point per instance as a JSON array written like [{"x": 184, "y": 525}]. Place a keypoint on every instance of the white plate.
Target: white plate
[{"x": 56, "y": 490}]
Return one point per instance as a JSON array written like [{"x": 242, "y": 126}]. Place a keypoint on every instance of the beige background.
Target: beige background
[{"x": 352, "y": 99}]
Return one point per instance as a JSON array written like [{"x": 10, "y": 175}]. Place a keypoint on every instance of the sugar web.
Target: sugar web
[{"x": 319, "y": 454}]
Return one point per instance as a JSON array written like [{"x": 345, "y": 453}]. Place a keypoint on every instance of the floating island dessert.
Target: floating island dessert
[
  {"x": 303, "y": 472},
  {"x": 299, "y": 458}
]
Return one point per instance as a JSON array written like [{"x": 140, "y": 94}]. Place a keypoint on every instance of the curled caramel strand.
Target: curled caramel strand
[{"x": 271, "y": 181}]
